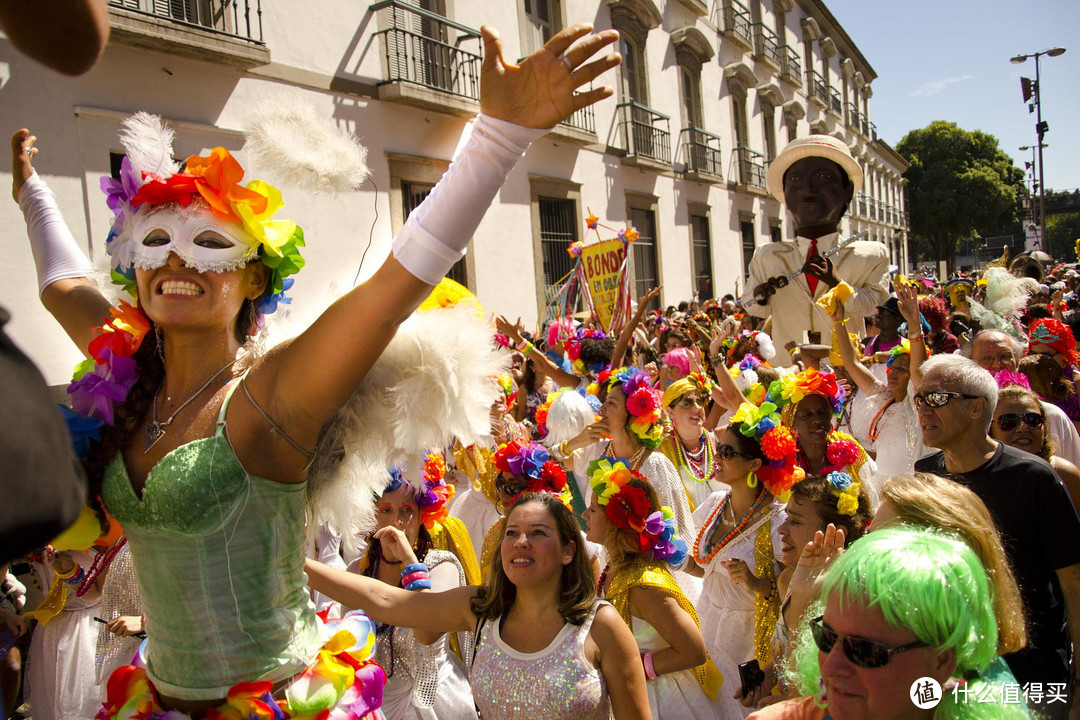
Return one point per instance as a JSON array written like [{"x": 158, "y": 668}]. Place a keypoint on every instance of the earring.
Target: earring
[{"x": 751, "y": 480}]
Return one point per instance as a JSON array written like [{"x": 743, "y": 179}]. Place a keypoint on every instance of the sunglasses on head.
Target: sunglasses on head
[
  {"x": 939, "y": 399},
  {"x": 1009, "y": 421},
  {"x": 862, "y": 653},
  {"x": 726, "y": 452}
]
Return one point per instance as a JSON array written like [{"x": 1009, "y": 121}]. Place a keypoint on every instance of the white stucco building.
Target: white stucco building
[{"x": 710, "y": 90}]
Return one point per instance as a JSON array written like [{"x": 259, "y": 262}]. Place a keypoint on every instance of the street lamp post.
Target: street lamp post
[{"x": 1040, "y": 130}]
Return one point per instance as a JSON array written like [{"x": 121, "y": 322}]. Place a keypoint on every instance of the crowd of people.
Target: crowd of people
[{"x": 848, "y": 495}]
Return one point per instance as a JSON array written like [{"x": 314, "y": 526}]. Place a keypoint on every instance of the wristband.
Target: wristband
[
  {"x": 647, "y": 663},
  {"x": 912, "y": 338},
  {"x": 522, "y": 345},
  {"x": 57, "y": 255},
  {"x": 411, "y": 577},
  {"x": 526, "y": 349},
  {"x": 414, "y": 567},
  {"x": 74, "y": 577}
]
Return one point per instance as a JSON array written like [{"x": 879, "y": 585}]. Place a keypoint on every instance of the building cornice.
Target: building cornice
[{"x": 831, "y": 27}]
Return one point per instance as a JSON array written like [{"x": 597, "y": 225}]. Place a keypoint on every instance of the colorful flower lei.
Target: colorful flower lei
[
  {"x": 793, "y": 388},
  {"x": 434, "y": 493},
  {"x": 531, "y": 461},
  {"x": 214, "y": 180},
  {"x": 846, "y": 490},
  {"x": 642, "y": 403},
  {"x": 627, "y": 507}
]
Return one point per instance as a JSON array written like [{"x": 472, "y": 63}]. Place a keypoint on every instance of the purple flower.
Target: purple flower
[
  {"x": 371, "y": 679},
  {"x": 118, "y": 193},
  {"x": 654, "y": 524},
  {"x": 96, "y": 393}
]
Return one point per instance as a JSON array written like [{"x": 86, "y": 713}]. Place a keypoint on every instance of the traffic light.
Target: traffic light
[{"x": 1028, "y": 87}]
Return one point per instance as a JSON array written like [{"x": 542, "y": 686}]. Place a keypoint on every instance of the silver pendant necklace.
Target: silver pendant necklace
[{"x": 155, "y": 429}]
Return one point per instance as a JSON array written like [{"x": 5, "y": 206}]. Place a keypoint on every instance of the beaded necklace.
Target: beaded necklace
[
  {"x": 875, "y": 431},
  {"x": 600, "y": 582},
  {"x": 700, "y": 466},
  {"x": 732, "y": 534},
  {"x": 101, "y": 561}
]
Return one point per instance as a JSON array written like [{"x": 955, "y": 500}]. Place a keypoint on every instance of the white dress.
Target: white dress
[
  {"x": 679, "y": 694},
  {"x": 478, "y": 513},
  {"x": 61, "y": 676},
  {"x": 899, "y": 437},
  {"x": 427, "y": 682},
  {"x": 726, "y": 610}
]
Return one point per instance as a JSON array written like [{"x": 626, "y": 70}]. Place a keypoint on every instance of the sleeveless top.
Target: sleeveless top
[
  {"x": 219, "y": 559},
  {"x": 556, "y": 682}
]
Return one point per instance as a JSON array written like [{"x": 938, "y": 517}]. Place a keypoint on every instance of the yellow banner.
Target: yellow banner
[{"x": 602, "y": 263}]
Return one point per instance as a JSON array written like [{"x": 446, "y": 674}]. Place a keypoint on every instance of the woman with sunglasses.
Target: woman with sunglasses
[
  {"x": 735, "y": 550},
  {"x": 907, "y": 617},
  {"x": 893, "y": 432},
  {"x": 642, "y": 547},
  {"x": 424, "y": 677},
  {"x": 1020, "y": 421},
  {"x": 688, "y": 444}
]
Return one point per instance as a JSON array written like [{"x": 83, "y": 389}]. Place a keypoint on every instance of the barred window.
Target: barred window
[
  {"x": 645, "y": 269},
  {"x": 412, "y": 194},
  {"x": 746, "y": 229},
  {"x": 702, "y": 254}
]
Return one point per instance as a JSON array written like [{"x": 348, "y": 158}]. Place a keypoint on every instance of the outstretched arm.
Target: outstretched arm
[
  {"x": 553, "y": 371},
  {"x": 909, "y": 308},
  {"x": 864, "y": 379},
  {"x": 307, "y": 381},
  {"x": 448, "y": 611},
  {"x": 628, "y": 332},
  {"x": 64, "y": 272}
]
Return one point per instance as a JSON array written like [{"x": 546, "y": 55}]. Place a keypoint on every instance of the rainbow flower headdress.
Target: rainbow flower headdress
[
  {"x": 642, "y": 403},
  {"x": 149, "y": 182},
  {"x": 627, "y": 507},
  {"x": 572, "y": 344},
  {"x": 761, "y": 423},
  {"x": 793, "y": 388},
  {"x": 531, "y": 461},
  {"x": 433, "y": 493}
]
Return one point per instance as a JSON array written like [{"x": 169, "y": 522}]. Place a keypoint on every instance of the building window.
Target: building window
[
  {"x": 746, "y": 229},
  {"x": 702, "y": 255},
  {"x": 539, "y": 21},
  {"x": 768, "y": 122},
  {"x": 558, "y": 228},
  {"x": 643, "y": 265},
  {"x": 412, "y": 194},
  {"x": 691, "y": 97},
  {"x": 775, "y": 233}
]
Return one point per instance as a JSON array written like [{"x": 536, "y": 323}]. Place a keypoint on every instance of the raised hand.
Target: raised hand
[
  {"x": 508, "y": 329},
  {"x": 540, "y": 92},
  {"x": 909, "y": 306},
  {"x": 22, "y": 152},
  {"x": 816, "y": 557},
  {"x": 395, "y": 546}
]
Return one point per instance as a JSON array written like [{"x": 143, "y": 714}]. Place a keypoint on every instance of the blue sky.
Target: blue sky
[{"x": 949, "y": 60}]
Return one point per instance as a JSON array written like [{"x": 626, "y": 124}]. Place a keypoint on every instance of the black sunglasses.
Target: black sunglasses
[
  {"x": 1009, "y": 421},
  {"x": 510, "y": 487},
  {"x": 863, "y": 653},
  {"x": 726, "y": 452},
  {"x": 939, "y": 399}
]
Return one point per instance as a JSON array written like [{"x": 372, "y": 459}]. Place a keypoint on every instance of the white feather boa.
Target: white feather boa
[{"x": 433, "y": 383}]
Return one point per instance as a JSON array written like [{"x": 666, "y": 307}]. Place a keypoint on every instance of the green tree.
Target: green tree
[
  {"x": 1062, "y": 234},
  {"x": 960, "y": 185}
]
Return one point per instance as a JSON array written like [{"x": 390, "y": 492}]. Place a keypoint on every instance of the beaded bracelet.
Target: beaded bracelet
[{"x": 647, "y": 663}]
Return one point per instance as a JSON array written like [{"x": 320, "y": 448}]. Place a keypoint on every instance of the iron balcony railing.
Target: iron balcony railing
[
  {"x": 701, "y": 149},
  {"x": 583, "y": 119},
  {"x": 737, "y": 19},
  {"x": 865, "y": 122},
  {"x": 792, "y": 67},
  {"x": 873, "y": 132},
  {"x": 240, "y": 19},
  {"x": 854, "y": 116},
  {"x": 863, "y": 209},
  {"x": 837, "y": 104},
  {"x": 751, "y": 167},
  {"x": 765, "y": 44},
  {"x": 816, "y": 87},
  {"x": 647, "y": 132},
  {"x": 423, "y": 48}
]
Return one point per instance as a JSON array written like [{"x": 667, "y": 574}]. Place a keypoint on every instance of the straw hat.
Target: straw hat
[{"x": 824, "y": 146}]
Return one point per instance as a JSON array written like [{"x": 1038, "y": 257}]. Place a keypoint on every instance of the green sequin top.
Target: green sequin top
[{"x": 219, "y": 557}]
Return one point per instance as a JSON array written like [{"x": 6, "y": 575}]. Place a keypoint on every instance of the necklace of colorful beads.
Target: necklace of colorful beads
[
  {"x": 732, "y": 534},
  {"x": 101, "y": 561},
  {"x": 875, "y": 430},
  {"x": 700, "y": 466},
  {"x": 600, "y": 582}
]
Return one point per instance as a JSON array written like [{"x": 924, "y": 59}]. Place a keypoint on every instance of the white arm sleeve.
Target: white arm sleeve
[
  {"x": 436, "y": 233},
  {"x": 57, "y": 255}
]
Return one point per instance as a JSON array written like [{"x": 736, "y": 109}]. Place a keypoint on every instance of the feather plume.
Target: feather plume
[
  {"x": 296, "y": 147},
  {"x": 1006, "y": 294},
  {"x": 147, "y": 141},
  {"x": 433, "y": 383}
]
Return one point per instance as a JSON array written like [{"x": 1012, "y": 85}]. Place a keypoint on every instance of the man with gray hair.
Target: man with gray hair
[
  {"x": 1038, "y": 524},
  {"x": 995, "y": 351}
]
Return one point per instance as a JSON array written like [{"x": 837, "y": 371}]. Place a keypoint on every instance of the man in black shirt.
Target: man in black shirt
[{"x": 1039, "y": 526}]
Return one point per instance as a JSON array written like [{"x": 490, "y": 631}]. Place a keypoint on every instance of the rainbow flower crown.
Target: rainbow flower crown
[
  {"x": 793, "y": 388},
  {"x": 434, "y": 493},
  {"x": 531, "y": 461},
  {"x": 642, "y": 403},
  {"x": 762, "y": 423},
  {"x": 627, "y": 507},
  {"x": 572, "y": 344}
]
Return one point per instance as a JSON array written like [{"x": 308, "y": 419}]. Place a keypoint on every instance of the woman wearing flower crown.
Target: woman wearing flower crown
[
  {"x": 688, "y": 444},
  {"x": 736, "y": 549},
  {"x": 211, "y": 492},
  {"x": 424, "y": 678},
  {"x": 894, "y": 432},
  {"x": 631, "y": 427},
  {"x": 642, "y": 546}
]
